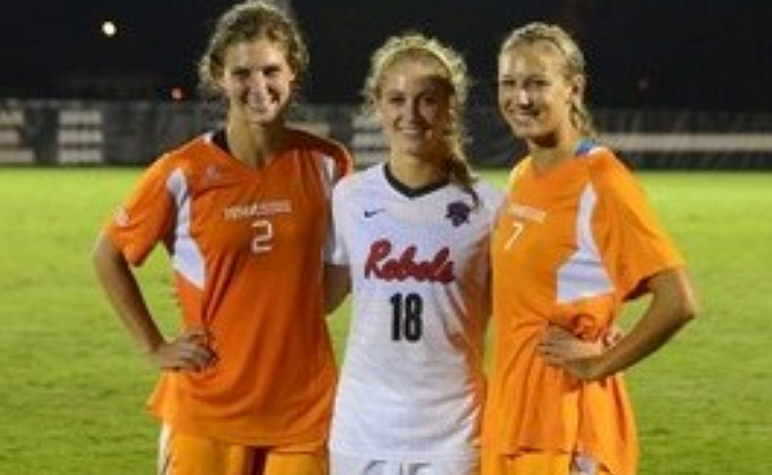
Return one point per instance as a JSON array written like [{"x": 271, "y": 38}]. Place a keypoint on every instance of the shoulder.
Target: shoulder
[
  {"x": 367, "y": 178},
  {"x": 325, "y": 145},
  {"x": 329, "y": 150},
  {"x": 615, "y": 184},
  {"x": 190, "y": 151},
  {"x": 490, "y": 195},
  {"x": 519, "y": 169},
  {"x": 183, "y": 166},
  {"x": 604, "y": 165}
]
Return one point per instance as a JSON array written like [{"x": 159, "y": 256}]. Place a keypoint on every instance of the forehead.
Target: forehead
[
  {"x": 414, "y": 72},
  {"x": 256, "y": 50},
  {"x": 540, "y": 56}
]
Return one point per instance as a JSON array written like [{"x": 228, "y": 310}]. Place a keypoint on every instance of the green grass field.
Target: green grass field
[{"x": 72, "y": 385}]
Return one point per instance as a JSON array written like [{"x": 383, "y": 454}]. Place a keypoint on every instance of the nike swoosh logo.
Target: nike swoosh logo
[{"x": 369, "y": 213}]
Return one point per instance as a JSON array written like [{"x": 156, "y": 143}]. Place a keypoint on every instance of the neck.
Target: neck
[
  {"x": 548, "y": 155},
  {"x": 255, "y": 145},
  {"x": 416, "y": 173}
]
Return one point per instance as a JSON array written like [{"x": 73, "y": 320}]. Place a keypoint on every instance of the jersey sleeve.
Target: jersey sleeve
[
  {"x": 342, "y": 165},
  {"x": 492, "y": 197},
  {"x": 146, "y": 217},
  {"x": 337, "y": 253},
  {"x": 636, "y": 245}
]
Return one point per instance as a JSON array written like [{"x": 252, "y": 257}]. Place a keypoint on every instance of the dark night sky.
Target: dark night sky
[{"x": 694, "y": 54}]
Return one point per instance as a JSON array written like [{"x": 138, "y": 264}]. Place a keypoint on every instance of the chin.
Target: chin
[
  {"x": 263, "y": 118},
  {"x": 525, "y": 132}
]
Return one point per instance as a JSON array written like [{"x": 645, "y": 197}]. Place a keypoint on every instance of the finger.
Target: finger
[
  {"x": 195, "y": 334},
  {"x": 183, "y": 354},
  {"x": 197, "y": 355}
]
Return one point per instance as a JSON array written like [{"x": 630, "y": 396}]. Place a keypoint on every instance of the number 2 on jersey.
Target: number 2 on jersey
[
  {"x": 263, "y": 240},
  {"x": 407, "y": 319}
]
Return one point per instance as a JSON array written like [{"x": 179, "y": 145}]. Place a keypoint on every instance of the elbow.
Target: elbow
[
  {"x": 333, "y": 299},
  {"x": 686, "y": 313},
  {"x": 337, "y": 286},
  {"x": 674, "y": 291},
  {"x": 683, "y": 309},
  {"x": 689, "y": 307}
]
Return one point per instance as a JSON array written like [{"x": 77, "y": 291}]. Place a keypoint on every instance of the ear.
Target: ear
[
  {"x": 578, "y": 85},
  {"x": 220, "y": 83},
  {"x": 376, "y": 111}
]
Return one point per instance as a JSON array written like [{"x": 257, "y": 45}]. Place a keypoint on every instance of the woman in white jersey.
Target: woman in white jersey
[{"x": 413, "y": 234}]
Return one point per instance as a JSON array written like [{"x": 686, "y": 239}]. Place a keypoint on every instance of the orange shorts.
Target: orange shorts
[
  {"x": 182, "y": 454},
  {"x": 541, "y": 463}
]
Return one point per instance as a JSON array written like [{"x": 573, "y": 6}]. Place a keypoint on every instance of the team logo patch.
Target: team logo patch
[
  {"x": 121, "y": 217},
  {"x": 458, "y": 213},
  {"x": 212, "y": 174}
]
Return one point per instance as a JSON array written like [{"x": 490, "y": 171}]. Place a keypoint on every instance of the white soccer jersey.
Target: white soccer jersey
[{"x": 412, "y": 382}]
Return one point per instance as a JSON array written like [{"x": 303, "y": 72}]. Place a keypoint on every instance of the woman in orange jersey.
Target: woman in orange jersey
[
  {"x": 247, "y": 385},
  {"x": 573, "y": 242}
]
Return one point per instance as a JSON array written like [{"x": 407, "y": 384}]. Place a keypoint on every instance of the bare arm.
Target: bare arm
[
  {"x": 337, "y": 285},
  {"x": 672, "y": 306},
  {"x": 186, "y": 352}
]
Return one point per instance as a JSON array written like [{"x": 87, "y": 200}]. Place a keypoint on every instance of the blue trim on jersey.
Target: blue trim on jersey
[{"x": 585, "y": 147}]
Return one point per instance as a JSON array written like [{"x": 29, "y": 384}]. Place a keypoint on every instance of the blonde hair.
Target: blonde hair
[
  {"x": 417, "y": 47},
  {"x": 574, "y": 63},
  {"x": 247, "y": 21}
]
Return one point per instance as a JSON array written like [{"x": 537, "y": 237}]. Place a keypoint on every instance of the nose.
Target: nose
[
  {"x": 256, "y": 79},
  {"x": 521, "y": 96},
  {"x": 412, "y": 109}
]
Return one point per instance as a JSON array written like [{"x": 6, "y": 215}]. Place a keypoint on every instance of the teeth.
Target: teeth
[{"x": 258, "y": 104}]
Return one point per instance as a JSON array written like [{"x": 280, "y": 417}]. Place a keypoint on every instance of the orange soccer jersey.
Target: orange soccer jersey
[
  {"x": 247, "y": 247},
  {"x": 569, "y": 247}
]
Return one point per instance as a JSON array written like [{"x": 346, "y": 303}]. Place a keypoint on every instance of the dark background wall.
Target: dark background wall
[{"x": 671, "y": 54}]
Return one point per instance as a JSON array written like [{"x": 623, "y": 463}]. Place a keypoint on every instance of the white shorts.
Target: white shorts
[{"x": 351, "y": 465}]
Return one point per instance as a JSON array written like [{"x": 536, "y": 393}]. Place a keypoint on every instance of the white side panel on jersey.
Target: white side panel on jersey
[
  {"x": 583, "y": 275},
  {"x": 187, "y": 257}
]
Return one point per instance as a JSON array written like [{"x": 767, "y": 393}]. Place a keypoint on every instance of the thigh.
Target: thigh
[
  {"x": 349, "y": 465},
  {"x": 531, "y": 463},
  {"x": 296, "y": 461},
  {"x": 541, "y": 463},
  {"x": 183, "y": 454},
  {"x": 455, "y": 467},
  {"x": 353, "y": 465}
]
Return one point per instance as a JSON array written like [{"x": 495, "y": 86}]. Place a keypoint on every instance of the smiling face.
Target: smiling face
[
  {"x": 413, "y": 107},
  {"x": 257, "y": 81},
  {"x": 536, "y": 96}
]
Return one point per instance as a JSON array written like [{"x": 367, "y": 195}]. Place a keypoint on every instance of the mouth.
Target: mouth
[
  {"x": 260, "y": 101},
  {"x": 524, "y": 116},
  {"x": 412, "y": 131},
  {"x": 259, "y": 105}
]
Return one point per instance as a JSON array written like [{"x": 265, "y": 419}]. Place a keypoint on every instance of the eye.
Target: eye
[
  {"x": 272, "y": 71},
  {"x": 240, "y": 73},
  {"x": 431, "y": 99},
  {"x": 394, "y": 99},
  {"x": 506, "y": 84},
  {"x": 536, "y": 83}
]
